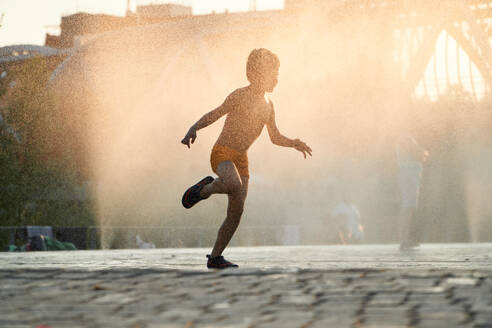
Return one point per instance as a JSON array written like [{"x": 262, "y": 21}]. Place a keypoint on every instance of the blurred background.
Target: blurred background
[{"x": 94, "y": 111}]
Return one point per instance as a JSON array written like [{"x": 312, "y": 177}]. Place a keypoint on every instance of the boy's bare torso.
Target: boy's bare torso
[{"x": 244, "y": 122}]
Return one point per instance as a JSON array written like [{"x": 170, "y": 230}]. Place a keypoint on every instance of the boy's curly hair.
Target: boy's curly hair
[{"x": 260, "y": 60}]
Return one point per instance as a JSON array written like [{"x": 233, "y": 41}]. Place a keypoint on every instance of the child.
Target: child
[
  {"x": 346, "y": 218},
  {"x": 247, "y": 110}
]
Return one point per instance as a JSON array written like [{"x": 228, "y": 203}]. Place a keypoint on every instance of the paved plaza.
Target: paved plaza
[{"x": 438, "y": 285}]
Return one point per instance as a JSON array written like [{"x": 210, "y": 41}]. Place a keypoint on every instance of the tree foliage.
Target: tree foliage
[{"x": 32, "y": 173}]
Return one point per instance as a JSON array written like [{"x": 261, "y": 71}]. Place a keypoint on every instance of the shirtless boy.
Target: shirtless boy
[{"x": 248, "y": 110}]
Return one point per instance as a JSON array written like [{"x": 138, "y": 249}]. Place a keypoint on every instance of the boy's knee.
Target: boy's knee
[{"x": 235, "y": 185}]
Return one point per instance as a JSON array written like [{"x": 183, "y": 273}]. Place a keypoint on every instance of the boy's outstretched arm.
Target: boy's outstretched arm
[
  {"x": 280, "y": 140},
  {"x": 205, "y": 121}
]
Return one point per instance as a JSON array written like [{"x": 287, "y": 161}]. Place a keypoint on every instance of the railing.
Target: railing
[
  {"x": 80, "y": 236},
  {"x": 96, "y": 237}
]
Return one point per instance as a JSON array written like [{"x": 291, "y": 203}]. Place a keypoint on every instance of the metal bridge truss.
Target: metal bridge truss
[{"x": 419, "y": 23}]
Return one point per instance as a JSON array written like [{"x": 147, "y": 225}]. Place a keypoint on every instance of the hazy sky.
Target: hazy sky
[{"x": 27, "y": 21}]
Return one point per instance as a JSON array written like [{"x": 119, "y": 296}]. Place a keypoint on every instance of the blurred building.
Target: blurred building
[
  {"x": 150, "y": 14},
  {"x": 309, "y": 5},
  {"x": 83, "y": 24},
  {"x": 77, "y": 26}
]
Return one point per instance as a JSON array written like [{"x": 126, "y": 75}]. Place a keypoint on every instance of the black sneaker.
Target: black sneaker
[
  {"x": 219, "y": 262},
  {"x": 192, "y": 195}
]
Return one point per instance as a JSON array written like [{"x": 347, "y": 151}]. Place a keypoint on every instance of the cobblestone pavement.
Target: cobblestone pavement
[{"x": 319, "y": 286}]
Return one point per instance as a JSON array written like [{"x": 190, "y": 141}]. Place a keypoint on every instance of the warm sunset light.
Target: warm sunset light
[
  {"x": 245, "y": 163},
  {"x": 352, "y": 80}
]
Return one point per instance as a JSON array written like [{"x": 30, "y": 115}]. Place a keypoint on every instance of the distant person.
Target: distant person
[
  {"x": 248, "y": 110},
  {"x": 346, "y": 218},
  {"x": 410, "y": 157},
  {"x": 143, "y": 244}
]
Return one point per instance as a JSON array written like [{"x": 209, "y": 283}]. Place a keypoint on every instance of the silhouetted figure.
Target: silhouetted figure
[
  {"x": 346, "y": 218},
  {"x": 248, "y": 110},
  {"x": 410, "y": 157}
]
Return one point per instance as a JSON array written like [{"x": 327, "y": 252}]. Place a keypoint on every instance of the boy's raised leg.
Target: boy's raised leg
[{"x": 228, "y": 181}]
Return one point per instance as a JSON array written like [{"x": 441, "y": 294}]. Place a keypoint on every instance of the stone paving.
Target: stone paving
[{"x": 447, "y": 285}]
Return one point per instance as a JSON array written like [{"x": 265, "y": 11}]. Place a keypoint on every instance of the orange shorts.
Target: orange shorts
[{"x": 221, "y": 154}]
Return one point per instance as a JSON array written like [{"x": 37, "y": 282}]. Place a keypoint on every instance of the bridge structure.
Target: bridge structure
[{"x": 417, "y": 29}]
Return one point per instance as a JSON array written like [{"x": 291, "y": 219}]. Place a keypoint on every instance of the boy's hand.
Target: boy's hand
[
  {"x": 189, "y": 137},
  {"x": 302, "y": 147}
]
